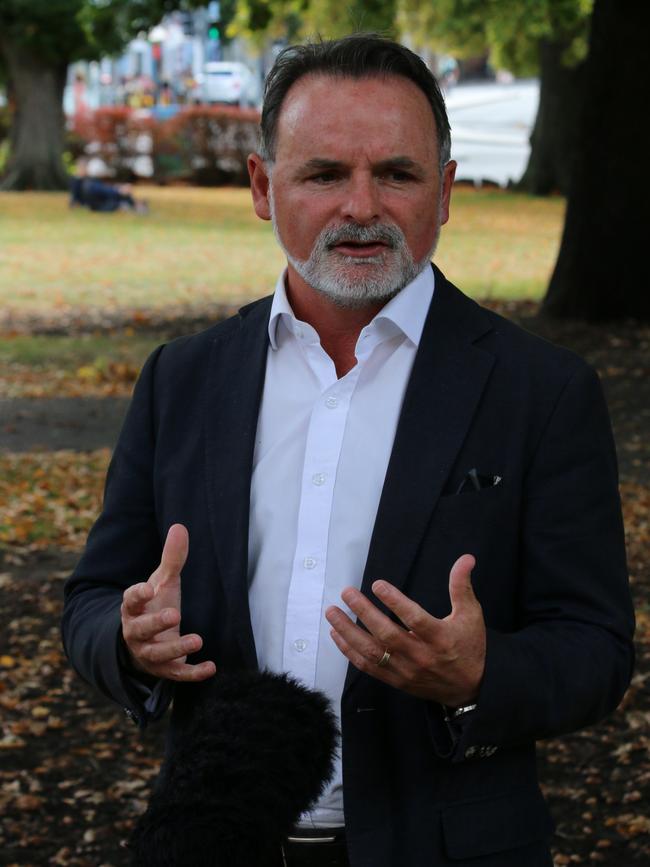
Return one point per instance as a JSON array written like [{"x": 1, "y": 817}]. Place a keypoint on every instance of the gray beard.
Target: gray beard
[{"x": 350, "y": 281}]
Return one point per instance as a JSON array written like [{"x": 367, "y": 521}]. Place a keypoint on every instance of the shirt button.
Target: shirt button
[
  {"x": 298, "y": 333},
  {"x": 309, "y": 562},
  {"x": 331, "y": 402},
  {"x": 300, "y": 644},
  {"x": 318, "y": 478}
]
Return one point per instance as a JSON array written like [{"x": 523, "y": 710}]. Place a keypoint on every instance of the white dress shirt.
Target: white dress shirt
[{"x": 321, "y": 453}]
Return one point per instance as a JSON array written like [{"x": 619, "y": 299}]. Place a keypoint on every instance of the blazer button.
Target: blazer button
[{"x": 486, "y": 752}]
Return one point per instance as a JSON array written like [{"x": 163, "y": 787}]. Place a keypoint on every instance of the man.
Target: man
[
  {"x": 401, "y": 498},
  {"x": 96, "y": 195}
]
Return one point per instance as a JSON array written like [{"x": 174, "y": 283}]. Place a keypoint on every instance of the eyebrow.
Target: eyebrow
[
  {"x": 399, "y": 162},
  {"x": 320, "y": 164},
  {"x": 396, "y": 162}
]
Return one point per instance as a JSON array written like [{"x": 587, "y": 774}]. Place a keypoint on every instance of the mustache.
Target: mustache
[{"x": 387, "y": 234}]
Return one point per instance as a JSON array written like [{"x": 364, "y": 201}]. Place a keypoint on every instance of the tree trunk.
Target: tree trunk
[
  {"x": 554, "y": 139},
  {"x": 36, "y": 141},
  {"x": 602, "y": 267}
]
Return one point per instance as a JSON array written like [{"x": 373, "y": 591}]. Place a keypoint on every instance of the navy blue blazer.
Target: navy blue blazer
[{"x": 550, "y": 575}]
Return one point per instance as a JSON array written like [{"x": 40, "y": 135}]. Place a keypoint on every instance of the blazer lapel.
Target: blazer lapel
[
  {"x": 446, "y": 384},
  {"x": 235, "y": 383}
]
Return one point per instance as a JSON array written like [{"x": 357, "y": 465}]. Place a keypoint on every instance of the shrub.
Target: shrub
[
  {"x": 206, "y": 145},
  {"x": 119, "y": 136},
  {"x": 201, "y": 144}
]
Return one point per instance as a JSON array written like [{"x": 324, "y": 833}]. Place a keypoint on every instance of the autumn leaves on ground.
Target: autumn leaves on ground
[{"x": 83, "y": 299}]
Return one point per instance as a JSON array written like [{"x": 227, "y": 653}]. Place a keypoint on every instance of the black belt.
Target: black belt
[{"x": 315, "y": 847}]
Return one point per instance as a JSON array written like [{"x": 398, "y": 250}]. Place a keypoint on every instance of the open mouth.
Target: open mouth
[{"x": 360, "y": 248}]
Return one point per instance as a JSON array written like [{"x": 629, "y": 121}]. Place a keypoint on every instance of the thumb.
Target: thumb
[
  {"x": 461, "y": 591},
  {"x": 175, "y": 551}
]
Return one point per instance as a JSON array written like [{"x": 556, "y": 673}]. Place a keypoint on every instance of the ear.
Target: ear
[
  {"x": 448, "y": 175},
  {"x": 259, "y": 186}
]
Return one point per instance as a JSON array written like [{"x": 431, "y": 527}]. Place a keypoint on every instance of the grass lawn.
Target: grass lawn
[
  {"x": 35, "y": 350},
  {"x": 206, "y": 245},
  {"x": 86, "y": 365}
]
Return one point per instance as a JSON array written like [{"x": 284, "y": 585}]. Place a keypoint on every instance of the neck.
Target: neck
[{"x": 338, "y": 327}]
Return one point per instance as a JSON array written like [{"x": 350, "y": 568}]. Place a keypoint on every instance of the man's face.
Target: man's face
[{"x": 355, "y": 195}]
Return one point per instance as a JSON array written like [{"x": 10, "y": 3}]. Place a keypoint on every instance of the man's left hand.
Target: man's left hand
[{"x": 435, "y": 659}]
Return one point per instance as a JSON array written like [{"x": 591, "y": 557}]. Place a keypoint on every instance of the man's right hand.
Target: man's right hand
[{"x": 151, "y": 618}]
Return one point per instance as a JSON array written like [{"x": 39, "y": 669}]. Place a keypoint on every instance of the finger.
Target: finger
[
  {"x": 135, "y": 599},
  {"x": 147, "y": 626},
  {"x": 156, "y": 652},
  {"x": 415, "y": 618},
  {"x": 461, "y": 591},
  {"x": 358, "y": 660},
  {"x": 185, "y": 672},
  {"x": 363, "y": 642},
  {"x": 175, "y": 551},
  {"x": 378, "y": 624}
]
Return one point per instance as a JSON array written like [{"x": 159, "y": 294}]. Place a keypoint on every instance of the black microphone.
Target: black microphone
[{"x": 257, "y": 751}]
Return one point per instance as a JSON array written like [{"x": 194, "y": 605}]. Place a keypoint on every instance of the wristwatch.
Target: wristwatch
[{"x": 454, "y": 713}]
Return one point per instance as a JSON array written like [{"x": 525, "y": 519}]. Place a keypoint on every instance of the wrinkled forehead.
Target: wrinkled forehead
[{"x": 321, "y": 110}]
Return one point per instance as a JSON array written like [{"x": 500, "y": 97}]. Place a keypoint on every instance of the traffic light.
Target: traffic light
[{"x": 214, "y": 21}]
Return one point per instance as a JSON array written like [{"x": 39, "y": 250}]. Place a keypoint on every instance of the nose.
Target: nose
[{"x": 361, "y": 203}]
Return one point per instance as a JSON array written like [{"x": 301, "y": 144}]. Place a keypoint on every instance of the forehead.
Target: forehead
[{"x": 338, "y": 117}]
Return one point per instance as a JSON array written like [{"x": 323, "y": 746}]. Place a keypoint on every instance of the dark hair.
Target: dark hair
[{"x": 358, "y": 56}]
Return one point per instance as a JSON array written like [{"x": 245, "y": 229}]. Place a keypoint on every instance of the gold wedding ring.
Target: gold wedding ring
[{"x": 383, "y": 662}]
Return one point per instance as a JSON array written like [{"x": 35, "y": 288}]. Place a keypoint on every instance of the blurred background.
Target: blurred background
[{"x": 125, "y": 221}]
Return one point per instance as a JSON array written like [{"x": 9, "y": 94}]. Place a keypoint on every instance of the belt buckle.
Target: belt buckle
[{"x": 311, "y": 839}]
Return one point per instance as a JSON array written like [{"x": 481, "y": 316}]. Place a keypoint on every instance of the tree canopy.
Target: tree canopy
[
  {"x": 546, "y": 38},
  {"x": 510, "y": 29},
  {"x": 330, "y": 19},
  {"x": 76, "y": 29},
  {"x": 84, "y": 29},
  {"x": 38, "y": 41}
]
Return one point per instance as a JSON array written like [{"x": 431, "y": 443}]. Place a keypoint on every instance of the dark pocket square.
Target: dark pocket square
[{"x": 475, "y": 481}]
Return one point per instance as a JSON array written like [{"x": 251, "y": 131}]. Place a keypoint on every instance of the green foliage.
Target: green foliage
[
  {"x": 328, "y": 19},
  {"x": 4, "y": 154},
  {"x": 61, "y": 31},
  {"x": 510, "y": 29},
  {"x": 451, "y": 26}
]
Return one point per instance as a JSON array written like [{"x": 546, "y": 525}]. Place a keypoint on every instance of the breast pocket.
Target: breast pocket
[
  {"x": 485, "y": 510},
  {"x": 484, "y": 524}
]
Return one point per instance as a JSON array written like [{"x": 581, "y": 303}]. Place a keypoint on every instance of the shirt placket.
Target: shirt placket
[{"x": 322, "y": 453}]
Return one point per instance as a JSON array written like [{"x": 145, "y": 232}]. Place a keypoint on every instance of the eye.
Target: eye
[
  {"x": 399, "y": 175},
  {"x": 323, "y": 178}
]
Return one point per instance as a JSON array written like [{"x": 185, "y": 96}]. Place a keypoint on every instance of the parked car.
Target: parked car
[{"x": 231, "y": 83}]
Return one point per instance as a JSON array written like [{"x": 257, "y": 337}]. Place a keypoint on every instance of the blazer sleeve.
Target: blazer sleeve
[
  {"x": 124, "y": 547},
  {"x": 571, "y": 660}
]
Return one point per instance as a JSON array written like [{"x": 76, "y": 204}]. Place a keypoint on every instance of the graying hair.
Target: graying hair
[{"x": 362, "y": 55}]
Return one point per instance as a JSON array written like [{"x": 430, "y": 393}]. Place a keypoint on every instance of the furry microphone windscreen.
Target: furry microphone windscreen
[{"x": 257, "y": 752}]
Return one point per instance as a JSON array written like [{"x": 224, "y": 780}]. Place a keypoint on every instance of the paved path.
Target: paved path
[{"x": 79, "y": 423}]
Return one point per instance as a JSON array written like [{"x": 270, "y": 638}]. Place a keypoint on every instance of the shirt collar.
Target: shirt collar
[
  {"x": 407, "y": 310},
  {"x": 280, "y": 309}
]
